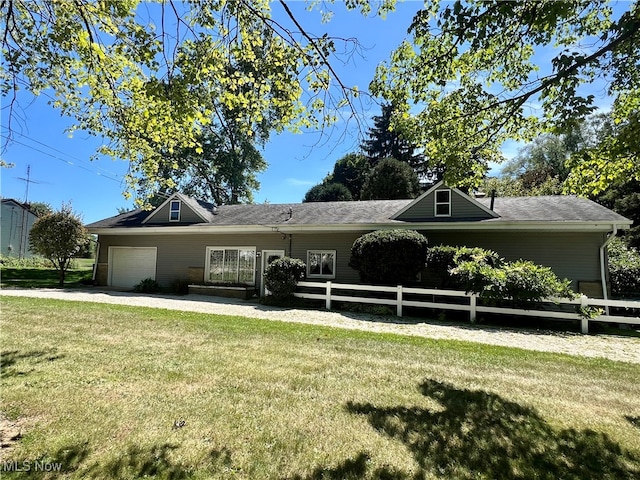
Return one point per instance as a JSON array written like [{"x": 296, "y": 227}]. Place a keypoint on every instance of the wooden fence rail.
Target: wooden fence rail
[{"x": 436, "y": 299}]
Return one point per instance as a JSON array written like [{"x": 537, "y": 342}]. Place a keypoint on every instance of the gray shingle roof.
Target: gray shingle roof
[
  {"x": 556, "y": 208},
  {"x": 511, "y": 209}
]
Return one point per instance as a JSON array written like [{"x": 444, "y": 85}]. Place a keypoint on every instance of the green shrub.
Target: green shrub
[
  {"x": 389, "y": 257},
  {"x": 31, "y": 262},
  {"x": 624, "y": 269},
  {"x": 522, "y": 282},
  {"x": 441, "y": 259},
  {"x": 282, "y": 275},
  {"x": 148, "y": 285}
]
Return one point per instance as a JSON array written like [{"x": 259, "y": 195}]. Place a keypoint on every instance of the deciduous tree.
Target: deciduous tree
[
  {"x": 224, "y": 172},
  {"x": 146, "y": 78},
  {"x": 328, "y": 192},
  {"x": 470, "y": 68},
  {"x": 58, "y": 237},
  {"x": 390, "y": 179}
]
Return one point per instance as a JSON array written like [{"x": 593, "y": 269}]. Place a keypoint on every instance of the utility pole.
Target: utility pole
[{"x": 25, "y": 218}]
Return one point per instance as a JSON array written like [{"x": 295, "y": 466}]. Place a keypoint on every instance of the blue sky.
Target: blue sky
[{"x": 61, "y": 170}]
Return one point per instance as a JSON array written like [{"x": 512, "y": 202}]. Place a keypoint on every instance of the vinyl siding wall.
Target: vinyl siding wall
[
  {"x": 571, "y": 255},
  {"x": 176, "y": 253},
  {"x": 461, "y": 207},
  {"x": 186, "y": 215}
]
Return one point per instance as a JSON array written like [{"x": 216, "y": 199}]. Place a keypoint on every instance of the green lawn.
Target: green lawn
[
  {"x": 39, "y": 277},
  {"x": 122, "y": 392}
]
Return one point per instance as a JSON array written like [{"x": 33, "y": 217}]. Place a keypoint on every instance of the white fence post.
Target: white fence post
[
  {"x": 584, "y": 321},
  {"x": 472, "y": 308}
]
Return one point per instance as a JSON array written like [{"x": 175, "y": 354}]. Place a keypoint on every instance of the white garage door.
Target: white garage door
[{"x": 129, "y": 265}]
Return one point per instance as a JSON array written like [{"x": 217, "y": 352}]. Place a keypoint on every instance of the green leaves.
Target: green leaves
[
  {"x": 148, "y": 78},
  {"x": 58, "y": 236},
  {"x": 469, "y": 72},
  {"x": 390, "y": 257}
]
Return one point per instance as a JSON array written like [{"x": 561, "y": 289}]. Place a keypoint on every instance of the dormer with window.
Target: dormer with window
[
  {"x": 174, "y": 210},
  {"x": 179, "y": 210},
  {"x": 442, "y": 203}
]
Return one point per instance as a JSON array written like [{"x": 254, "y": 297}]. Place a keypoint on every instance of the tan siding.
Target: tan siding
[
  {"x": 461, "y": 207},
  {"x": 340, "y": 242},
  {"x": 570, "y": 255},
  {"x": 176, "y": 253},
  {"x": 186, "y": 215}
]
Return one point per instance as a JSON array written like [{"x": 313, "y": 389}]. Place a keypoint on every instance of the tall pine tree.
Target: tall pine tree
[{"x": 384, "y": 142}]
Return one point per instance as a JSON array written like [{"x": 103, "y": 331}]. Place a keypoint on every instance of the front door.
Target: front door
[{"x": 268, "y": 256}]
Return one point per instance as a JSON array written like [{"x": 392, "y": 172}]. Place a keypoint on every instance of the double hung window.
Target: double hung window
[
  {"x": 174, "y": 211},
  {"x": 443, "y": 203},
  {"x": 321, "y": 263}
]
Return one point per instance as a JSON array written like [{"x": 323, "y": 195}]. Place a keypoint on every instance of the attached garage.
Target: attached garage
[{"x": 129, "y": 265}]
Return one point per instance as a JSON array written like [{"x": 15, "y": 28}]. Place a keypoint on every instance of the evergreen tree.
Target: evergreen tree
[{"x": 383, "y": 142}]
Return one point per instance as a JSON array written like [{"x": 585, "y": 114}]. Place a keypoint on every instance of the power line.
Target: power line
[
  {"x": 65, "y": 161},
  {"x": 57, "y": 150}
]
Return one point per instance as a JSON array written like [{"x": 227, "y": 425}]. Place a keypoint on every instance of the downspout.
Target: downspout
[
  {"x": 95, "y": 264},
  {"x": 603, "y": 274}
]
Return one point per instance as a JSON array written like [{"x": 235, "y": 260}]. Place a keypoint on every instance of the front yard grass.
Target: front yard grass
[
  {"x": 120, "y": 392},
  {"x": 39, "y": 277}
]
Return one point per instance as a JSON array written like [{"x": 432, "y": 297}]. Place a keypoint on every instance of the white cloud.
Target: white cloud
[{"x": 296, "y": 182}]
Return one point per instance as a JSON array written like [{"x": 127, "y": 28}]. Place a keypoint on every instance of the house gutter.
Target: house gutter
[
  {"x": 603, "y": 271},
  {"x": 570, "y": 226}
]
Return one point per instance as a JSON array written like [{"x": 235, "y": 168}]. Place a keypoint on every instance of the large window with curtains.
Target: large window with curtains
[{"x": 231, "y": 265}]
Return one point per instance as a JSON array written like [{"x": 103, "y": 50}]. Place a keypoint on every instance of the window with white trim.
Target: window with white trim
[
  {"x": 443, "y": 203},
  {"x": 174, "y": 211},
  {"x": 321, "y": 263},
  {"x": 231, "y": 265}
]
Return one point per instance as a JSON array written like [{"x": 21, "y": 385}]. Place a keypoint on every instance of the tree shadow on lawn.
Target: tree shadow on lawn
[
  {"x": 66, "y": 460},
  {"x": 135, "y": 462},
  {"x": 10, "y": 360},
  {"x": 635, "y": 421},
  {"x": 481, "y": 435}
]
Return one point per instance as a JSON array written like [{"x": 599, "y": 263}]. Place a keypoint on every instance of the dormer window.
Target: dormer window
[
  {"x": 174, "y": 211},
  {"x": 443, "y": 203}
]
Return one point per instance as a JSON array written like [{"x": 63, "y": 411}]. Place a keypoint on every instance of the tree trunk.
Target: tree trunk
[{"x": 61, "y": 277}]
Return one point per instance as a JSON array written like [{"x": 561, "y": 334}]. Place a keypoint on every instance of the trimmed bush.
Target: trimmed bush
[
  {"x": 624, "y": 269},
  {"x": 282, "y": 276},
  {"x": 389, "y": 257},
  {"x": 148, "y": 285}
]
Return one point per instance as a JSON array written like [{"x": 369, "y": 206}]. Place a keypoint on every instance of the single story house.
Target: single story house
[
  {"x": 16, "y": 220},
  {"x": 188, "y": 239}
]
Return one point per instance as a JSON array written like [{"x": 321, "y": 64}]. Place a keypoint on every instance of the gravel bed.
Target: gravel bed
[{"x": 613, "y": 347}]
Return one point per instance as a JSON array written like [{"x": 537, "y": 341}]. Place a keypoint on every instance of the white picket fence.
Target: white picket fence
[{"x": 436, "y": 299}]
